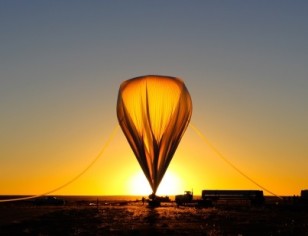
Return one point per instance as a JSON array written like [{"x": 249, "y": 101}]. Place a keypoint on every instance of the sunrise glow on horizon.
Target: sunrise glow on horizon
[
  {"x": 62, "y": 64},
  {"x": 108, "y": 177}
]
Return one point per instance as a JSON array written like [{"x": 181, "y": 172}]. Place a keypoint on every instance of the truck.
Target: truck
[
  {"x": 221, "y": 197},
  {"x": 185, "y": 198},
  {"x": 253, "y": 197}
]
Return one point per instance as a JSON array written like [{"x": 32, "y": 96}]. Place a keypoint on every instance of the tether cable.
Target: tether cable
[
  {"x": 221, "y": 156},
  {"x": 106, "y": 144}
]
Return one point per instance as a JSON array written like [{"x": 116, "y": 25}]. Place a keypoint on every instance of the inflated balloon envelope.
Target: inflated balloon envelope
[{"x": 153, "y": 112}]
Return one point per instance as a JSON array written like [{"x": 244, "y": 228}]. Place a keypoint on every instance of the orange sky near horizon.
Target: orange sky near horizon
[{"x": 194, "y": 167}]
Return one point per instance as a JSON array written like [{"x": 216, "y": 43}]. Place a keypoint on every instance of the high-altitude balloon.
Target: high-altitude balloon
[{"x": 153, "y": 112}]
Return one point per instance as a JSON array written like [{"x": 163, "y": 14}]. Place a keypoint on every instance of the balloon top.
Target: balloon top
[{"x": 158, "y": 77}]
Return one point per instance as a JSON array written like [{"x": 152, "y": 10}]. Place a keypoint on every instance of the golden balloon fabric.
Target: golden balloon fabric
[{"x": 153, "y": 112}]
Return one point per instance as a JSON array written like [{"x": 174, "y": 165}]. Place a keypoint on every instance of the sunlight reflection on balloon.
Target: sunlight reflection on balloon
[{"x": 170, "y": 184}]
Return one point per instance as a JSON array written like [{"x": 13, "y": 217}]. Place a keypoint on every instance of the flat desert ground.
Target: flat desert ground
[{"x": 134, "y": 218}]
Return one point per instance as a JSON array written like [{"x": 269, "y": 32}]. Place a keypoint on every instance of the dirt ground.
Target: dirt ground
[{"x": 133, "y": 218}]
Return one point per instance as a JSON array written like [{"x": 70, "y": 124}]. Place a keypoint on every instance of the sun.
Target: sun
[
  {"x": 139, "y": 185},
  {"x": 170, "y": 185}
]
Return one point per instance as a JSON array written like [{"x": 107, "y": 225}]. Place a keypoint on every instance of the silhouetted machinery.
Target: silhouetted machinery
[
  {"x": 187, "y": 197},
  {"x": 210, "y": 197},
  {"x": 49, "y": 200},
  {"x": 154, "y": 201},
  {"x": 304, "y": 196},
  {"x": 255, "y": 197}
]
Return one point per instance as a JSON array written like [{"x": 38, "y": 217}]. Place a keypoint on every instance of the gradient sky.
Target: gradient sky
[{"x": 245, "y": 64}]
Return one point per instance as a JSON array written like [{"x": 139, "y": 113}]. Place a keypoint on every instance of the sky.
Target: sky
[{"x": 245, "y": 64}]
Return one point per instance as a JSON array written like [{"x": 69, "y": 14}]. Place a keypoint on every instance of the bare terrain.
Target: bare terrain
[{"x": 134, "y": 218}]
